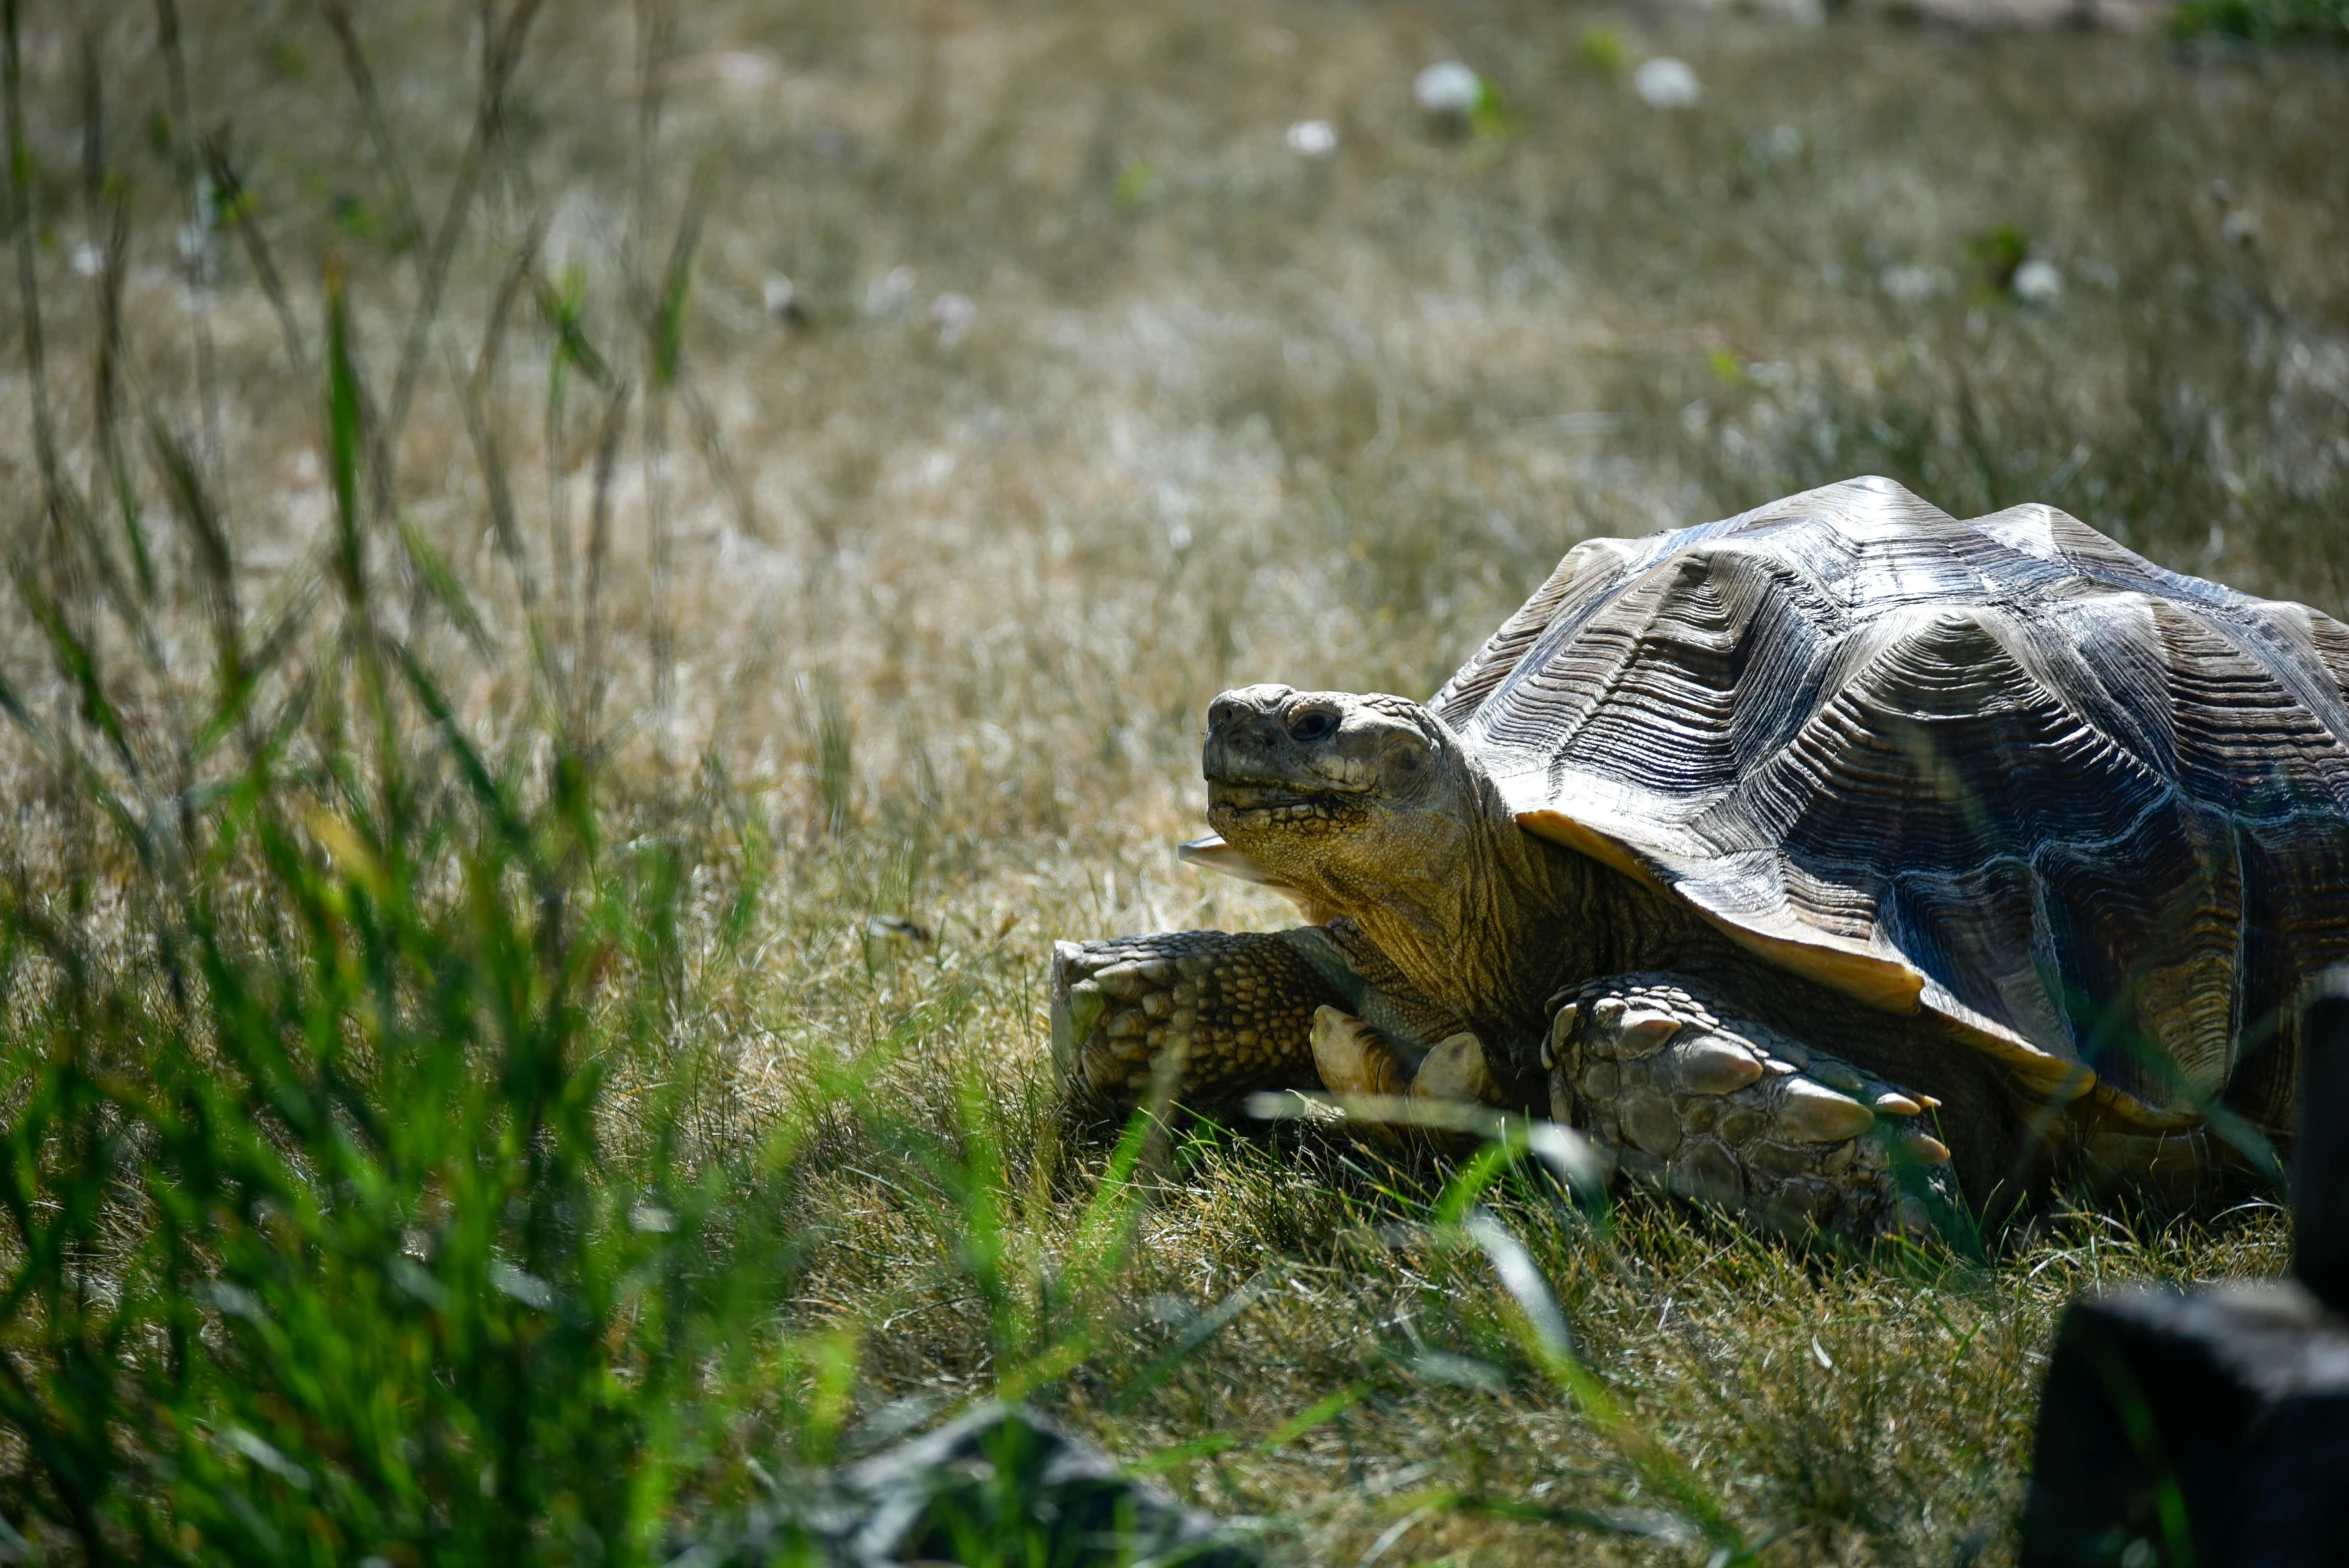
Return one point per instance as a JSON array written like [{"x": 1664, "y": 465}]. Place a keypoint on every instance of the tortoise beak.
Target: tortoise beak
[
  {"x": 1213, "y": 854},
  {"x": 1244, "y": 738}
]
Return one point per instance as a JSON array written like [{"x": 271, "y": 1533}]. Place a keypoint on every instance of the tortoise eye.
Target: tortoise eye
[{"x": 1312, "y": 724}]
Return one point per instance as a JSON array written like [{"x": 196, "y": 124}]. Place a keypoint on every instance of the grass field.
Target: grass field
[{"x": 573, "y": 642}]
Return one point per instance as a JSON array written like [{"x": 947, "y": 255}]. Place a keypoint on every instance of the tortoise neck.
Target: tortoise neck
[{"x": 1516, "y": 918}]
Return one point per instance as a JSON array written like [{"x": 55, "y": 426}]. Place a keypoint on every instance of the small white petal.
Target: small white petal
[
  {"x": 1909, "y": 283},
  {"x": 1448, "y": 87},
  {"x": 1666, "y": 83},
  {"x": 890, "y": 291},
  {"x": 1313, "y": 138},
  {"x": 952, "y": 314},
  {"x": 2037, "y": 282}
]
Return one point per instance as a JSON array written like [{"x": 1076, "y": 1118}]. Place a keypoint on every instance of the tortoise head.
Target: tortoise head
[{"x": 1354, "y": 801}]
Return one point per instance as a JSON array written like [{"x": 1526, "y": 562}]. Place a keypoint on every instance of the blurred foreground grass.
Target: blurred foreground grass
[{"x": 590, "y": 589}]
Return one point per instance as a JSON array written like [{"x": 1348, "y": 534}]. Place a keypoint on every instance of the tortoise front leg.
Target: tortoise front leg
[
  {"x": 1723, "y": 1109},
  {"x": 1225, "y": 1012}
]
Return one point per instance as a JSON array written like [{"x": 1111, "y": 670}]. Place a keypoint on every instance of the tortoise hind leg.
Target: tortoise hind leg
[{"x": 1737, "y": 1113}]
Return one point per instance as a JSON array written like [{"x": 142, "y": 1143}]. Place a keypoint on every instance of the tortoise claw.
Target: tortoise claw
[
  {"x": 1354, "y": 1058},
  {"x": 1454, "y": 1069}
]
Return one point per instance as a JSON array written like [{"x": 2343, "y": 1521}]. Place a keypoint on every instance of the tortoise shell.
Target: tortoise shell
[{"x": 2092, "y": 812}]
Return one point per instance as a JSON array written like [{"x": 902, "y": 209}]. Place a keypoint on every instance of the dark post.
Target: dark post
[
  {"x": 2320, "y": 1152},
  {"x": 2212, "y": 1427}
]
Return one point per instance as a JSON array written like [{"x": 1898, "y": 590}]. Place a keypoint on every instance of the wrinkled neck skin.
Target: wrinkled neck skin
[{"x": 1504, "y": 921}]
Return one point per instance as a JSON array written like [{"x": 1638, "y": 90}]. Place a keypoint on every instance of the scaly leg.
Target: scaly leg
[
  {"x": 1737, "y": 1113},
  {"x": 1226, "y": 1013}
]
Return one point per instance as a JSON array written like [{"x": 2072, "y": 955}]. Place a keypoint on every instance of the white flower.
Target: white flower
[
  {"x": 1449, "y": 88},
  {"x": 2037, "y": 282},
  {"x": 1781, "y": 144},
  {"x": 1313, "y": 138},
  {"x": 888, "y": 292},
  {"x": 1665, "y": 83},
  {"x": 1909, "y": 283},
  {"x": 952, "y": 314}
]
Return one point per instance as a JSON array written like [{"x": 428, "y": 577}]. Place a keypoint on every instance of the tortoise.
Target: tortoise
[{"x": 1815, "y": 862}]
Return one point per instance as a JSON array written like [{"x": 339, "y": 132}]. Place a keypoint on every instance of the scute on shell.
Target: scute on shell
[{"x": 2093, "y": 811}]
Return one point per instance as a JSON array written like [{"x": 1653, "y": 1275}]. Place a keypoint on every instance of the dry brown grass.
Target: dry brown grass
[{"x": 948, "y": 602}]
